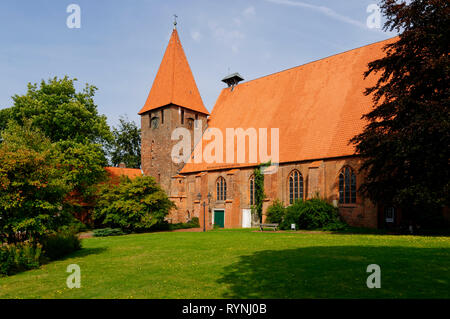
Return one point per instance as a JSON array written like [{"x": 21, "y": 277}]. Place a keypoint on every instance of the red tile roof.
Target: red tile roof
[
  {"x": 117, "y": 172},
  {"x": 317, "y": 107},
  {"x": 174, "y": 82}
]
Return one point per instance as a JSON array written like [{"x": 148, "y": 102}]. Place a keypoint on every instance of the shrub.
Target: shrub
[
  {"x": 275, "y": 212},
  {"x": 17, "y": 258},
  {"x": 132, "y": 205},
  {"x": 337, "y": 224},
  {"x": 59, "y": 244},
  {"x": 312, "y": 214},
  {"x": 77, "y": 226},
  {"x": 104, "y": 232},
  {"x": 193, "y": 223}
]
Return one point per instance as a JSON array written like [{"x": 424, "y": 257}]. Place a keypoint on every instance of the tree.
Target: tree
[
  {"x": 405, "y": 146},
  {"x": 82, "y": 166},
  {"x": 32, "y": 187},
  {"x": 4, "y": 118},
  {"x": 132, "y": 205},
  {"x": 71, "y": 121},
  {"x": 60, "y": 112},
  {"x": 126, "y": 144}
]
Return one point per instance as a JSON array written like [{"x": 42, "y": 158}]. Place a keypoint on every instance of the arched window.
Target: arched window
[
  {"x": 154, "y": 123},
  {"x": 295, "y": 186},
  {"x": 347, "y": 186},
  {"x": 252, "y": 190},
  {"x": 221, "y": 188}
]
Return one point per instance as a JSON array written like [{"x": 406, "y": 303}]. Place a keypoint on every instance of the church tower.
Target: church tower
[{"x": 174, "y": 101}]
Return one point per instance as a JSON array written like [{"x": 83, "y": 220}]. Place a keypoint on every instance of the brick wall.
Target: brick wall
[
  {"x": 319, "y": 177},
  {"x": 157, "y": 144}
]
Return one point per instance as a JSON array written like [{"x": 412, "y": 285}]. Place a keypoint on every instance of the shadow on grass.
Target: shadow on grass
[
  {"x": 339, "y": 272},
  {"x": 362, "y": 231},
  {"x": 371, "y": 231},
  {"x": 83, "y": 252}
]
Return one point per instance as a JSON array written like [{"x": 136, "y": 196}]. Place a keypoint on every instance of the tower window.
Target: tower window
[
  {"x": 182, "y": 116},
  {"x": 162, "y": 116},
  {"x": 154, "y": 123}
]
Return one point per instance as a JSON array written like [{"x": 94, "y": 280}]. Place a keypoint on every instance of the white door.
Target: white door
[{"x": 246, "y": 218}]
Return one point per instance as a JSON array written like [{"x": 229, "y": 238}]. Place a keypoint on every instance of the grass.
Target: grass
[{"x": 244, "y": 264}]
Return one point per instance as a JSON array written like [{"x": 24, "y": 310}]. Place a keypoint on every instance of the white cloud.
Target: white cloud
[
  {"x": 237, "y": 21},
  {"x": 322, "y": 9},
  {"x": 249, "y": 12},
  {"x": 196, "y": 36},
  {"x": 228, "y": 37},
  {"x": 231, "y": 34}
]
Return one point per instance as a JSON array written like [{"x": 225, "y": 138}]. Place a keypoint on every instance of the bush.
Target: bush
[
  {"x": 275, "y": 212},
  {"x": 108, "y": 232},
  {"x": 193, "y": 223},
  {"x": 17, "y": 258},
  {"x": 59, "y": 244},
  {"x": 136, "y": 205},
  {"x": 312, "y": 214},
  {"x": 77, "y": 226}
]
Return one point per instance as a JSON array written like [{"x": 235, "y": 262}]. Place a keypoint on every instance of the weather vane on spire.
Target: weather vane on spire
[{"x": 175, "y": 21}]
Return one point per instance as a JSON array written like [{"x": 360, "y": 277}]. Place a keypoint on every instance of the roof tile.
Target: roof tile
[
  {"x": 317, "y": 107},
  {"x": 174, "y": 82}
]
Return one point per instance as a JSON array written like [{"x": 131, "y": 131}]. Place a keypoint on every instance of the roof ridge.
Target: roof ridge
[
  {"x": 175, "y": 32},
  {"x": 318, "y": 60}
]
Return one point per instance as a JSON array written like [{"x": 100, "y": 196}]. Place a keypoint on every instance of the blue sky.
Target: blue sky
[{"x": 121, "y": 43}]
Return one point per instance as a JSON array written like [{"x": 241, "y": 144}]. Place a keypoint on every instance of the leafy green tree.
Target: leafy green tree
[
  {"x": 32, "y": 187},
  {"x": 126, "y": 144},
  {"x": 60, "y": 112},
  {"x": 71, "y": 121},
  {"x": 405, "y": 147},
  {"x": 4, "y": 118},
  {"x": 132, "y": 205},
  {"x": 82, "y": 166}
]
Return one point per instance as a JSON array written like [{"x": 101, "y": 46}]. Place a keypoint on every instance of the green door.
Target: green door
[{"x": 219, "y": 218}]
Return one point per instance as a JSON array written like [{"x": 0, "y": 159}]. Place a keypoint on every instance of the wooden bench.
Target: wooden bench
[{"x": 273, "y": 226}]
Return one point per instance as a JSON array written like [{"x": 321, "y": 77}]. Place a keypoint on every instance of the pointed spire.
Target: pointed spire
[
  {"x": 175, "y": 21},
  {"x": 174, "y": 82}
]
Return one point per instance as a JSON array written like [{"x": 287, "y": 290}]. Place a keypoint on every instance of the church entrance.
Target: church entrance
[{"x": 219, "y": 218}]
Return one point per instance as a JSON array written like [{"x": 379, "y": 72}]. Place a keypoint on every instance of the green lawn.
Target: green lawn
[{"x": 244, "y": 264}]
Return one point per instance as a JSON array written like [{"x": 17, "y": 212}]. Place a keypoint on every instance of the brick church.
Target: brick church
[{"x": 317, "y": 109}]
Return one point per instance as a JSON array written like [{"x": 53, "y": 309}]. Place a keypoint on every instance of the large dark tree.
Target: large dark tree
[
  {"x": 405, "y": 147},
  {"x": 126, "y": 145}
]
